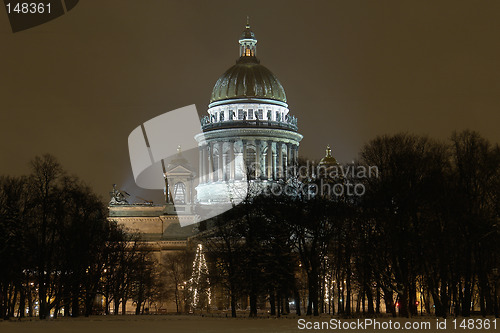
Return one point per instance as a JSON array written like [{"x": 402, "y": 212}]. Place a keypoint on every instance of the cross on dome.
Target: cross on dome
[{"x": 248, "y": 42}]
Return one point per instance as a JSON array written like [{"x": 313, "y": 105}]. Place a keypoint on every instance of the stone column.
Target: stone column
[
  {"x": 296, "y": 154},
  {"x": 289, "y": 159},
  {"x": 257, "y": 159},
  {"x": 210, "y": 162},
  {"x": 295, "y": 159},
  {"x": 167, "y": 191},
  {"x": 244, "y": 164},
  {"x": 280, "y": 159},
  {"x": 220, "y": 173},
  {"x": 201, "y": 164},
  {"x": 275, "y": 161},
  {"x": 205, "y": 164},
  {"x": 191, "y": 187},
  {"x": 289, "y": 153},
  {"x": 232, "y": 158},
  {"x": 224, "y": 166},
  {"x": 269, "y": 162}
]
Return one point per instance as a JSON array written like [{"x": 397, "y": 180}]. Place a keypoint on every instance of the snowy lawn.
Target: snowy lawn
[{"x": 194, "y": 323}]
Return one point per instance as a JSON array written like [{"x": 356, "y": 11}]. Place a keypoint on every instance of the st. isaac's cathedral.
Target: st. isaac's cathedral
[{"x": 249, "y": 139}]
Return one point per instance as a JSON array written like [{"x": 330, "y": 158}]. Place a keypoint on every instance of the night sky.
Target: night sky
[{"x": 77, "y": 86}]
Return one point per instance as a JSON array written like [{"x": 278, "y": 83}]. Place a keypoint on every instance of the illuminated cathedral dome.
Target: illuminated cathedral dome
[
  {"x": 248, "y": 136},
  {"x": 248, "y": 79}
]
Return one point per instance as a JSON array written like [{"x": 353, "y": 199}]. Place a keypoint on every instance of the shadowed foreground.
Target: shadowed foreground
[{"x": 166, "y": 323}]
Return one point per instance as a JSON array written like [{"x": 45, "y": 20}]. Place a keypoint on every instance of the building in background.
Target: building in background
[{"x": 249, "y": 139}]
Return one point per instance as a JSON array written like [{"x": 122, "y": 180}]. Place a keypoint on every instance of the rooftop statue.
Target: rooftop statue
[{"x": 118, "y": 197}]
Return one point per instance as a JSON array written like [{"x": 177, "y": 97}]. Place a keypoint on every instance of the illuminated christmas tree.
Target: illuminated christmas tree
[{"x": 199, "y": 284}]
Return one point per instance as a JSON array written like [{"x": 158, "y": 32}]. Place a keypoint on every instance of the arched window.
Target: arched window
[{"x": 180, "y": 193}]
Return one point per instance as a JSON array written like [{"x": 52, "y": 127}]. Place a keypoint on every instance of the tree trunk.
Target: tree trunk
[
  {"x": 389, "y": 302},
  {"x": 176, "y": 297},
  {"x": 22, "y": 302},
  {"x": 124, "y": 306},
  {"x": 297, "y": 301},
  {"x": 369, "y": 297},
  {"x": 75, "y": 305},
  {"x": 377, "y": 302},
  {"x": 272, "y": 302},
  {"x": 253, "y": 304},
  {"x": 466, "y": 303},
  {"x": 42, "y": 298},
  {"x": 412, "y": 302},
  {"x": 403, "y": 303},
  {"x": 233, "y": 305},
  {"x": 348, "y": 274},
  {"x": 116, "y": 307}
]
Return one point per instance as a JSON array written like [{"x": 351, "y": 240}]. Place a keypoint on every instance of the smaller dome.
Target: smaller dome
[
  {"x": 247, "y": 33},
  {"x": 328, "y": 160}
]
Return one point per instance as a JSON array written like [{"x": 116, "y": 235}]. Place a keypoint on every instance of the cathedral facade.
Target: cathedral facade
[{"x": 248, "y": 139}]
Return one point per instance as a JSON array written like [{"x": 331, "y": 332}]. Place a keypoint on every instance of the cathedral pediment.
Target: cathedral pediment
[{"x": 179, "y": 170}]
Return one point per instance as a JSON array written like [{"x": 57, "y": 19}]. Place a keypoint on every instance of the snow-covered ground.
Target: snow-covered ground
[{"x": 173, "y": 323}]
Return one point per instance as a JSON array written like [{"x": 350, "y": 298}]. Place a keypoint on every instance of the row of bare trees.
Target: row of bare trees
[
  {"x": 436, "y": 221},
  {"x": 59, "y": 253},
  {"x": 423, "y": 237}
]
